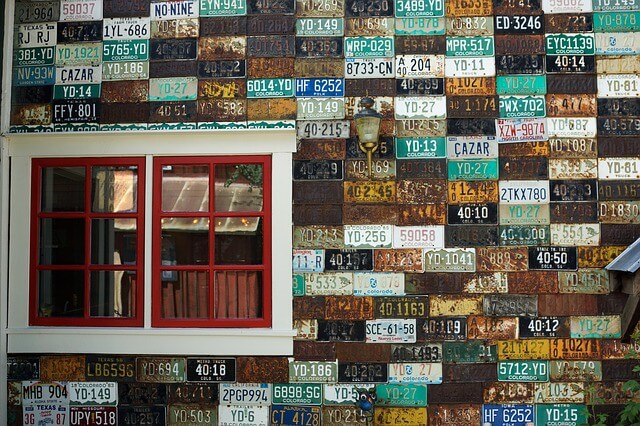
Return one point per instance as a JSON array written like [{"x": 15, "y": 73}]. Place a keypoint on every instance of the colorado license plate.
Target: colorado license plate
[{"x": 416, "y": 372}]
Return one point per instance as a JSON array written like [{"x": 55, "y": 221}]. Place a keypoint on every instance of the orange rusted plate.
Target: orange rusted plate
[
  {"x": 309, "y": 307},
  {"x": 467, "y": 86},
  {"x": 359, "y": 214},
  {"x": 486, "y": 283},
  {"x": 399, "y": 260},
  {"x": 270, "y": 67},
  {"x": 64, "y": 367},
  {"x": 508, "y": 393},
  {"x": 454, "y": 305},
  {"x": 125, "y": 91},
  {"x": 316, "y": 149},
  {"x": 524, "y": 149},
  {"x": 349, "y": 308},
  {"x": 465, "y": 8},
  {"x": 492, "y": 328},
  {"x": 533, "y": 282},
  {"x": 31, "y": 114},
  {"x": 454, "y": 414},
  {"x": 262, "y": 370},
  {"x": 490, "y": 259},
  {"x": 369, "y": 192},
  {"x": 524, "y": 349},
  {"x": 314, "y": 351},
  {"x": 597, "y": 256},
  {"x": 573, "y": 105},
  {"x": 424, "y": 214},
  {"x": 319, "y": 67},
  {"x": 222, "y": 88},
  {"x": 222, "y": 47},
  {"x": 271, "y": 109},
  {"x": 463, "y": 192},
  {"x": 421, "y": 191},
  {"x": 575, "y": 349}
]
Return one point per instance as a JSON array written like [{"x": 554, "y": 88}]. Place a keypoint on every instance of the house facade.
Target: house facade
[{"x": 191, "y": 233}]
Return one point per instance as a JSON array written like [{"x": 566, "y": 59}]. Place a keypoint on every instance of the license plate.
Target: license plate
[
  {"x": 583, "y": 349},
  {"x": 341, "y": 331},
  {"x": 519, "y": 24},
  {"x": 125, "y": 50},
  {"x": 36, "y": 392},
  {"x": 305, "y": 329},
  {"x": 322, "y": 108},
  {"x": 470, "y": 67},
  {"x": 461, "y": 8},
  {"x": 34, "y": 56},
  {"x": 574, "y": 190},
  {"x": 570, "y": 44},
  {"x": 126, "y": 28},
  {"x": 80, "y": 10},
  {"x": 223, "y": 8},
  {"x": 222, "y": 68},
  {"x": 524, "y": 214},
  {"x": 317, "y": 47},
  {"x": 522, "y": 130},
  {"x": 45, "y": 414},
  {"x": 586, "y": 281},
  {"x": 238, "y": 415},
  {"x": 421, "y": 147},
  {"x": 374, "y": 8},
  {"x": 318, "y": 169},
  {"x": 368, "y": 236},
  {"x": 323, "y": 129},
  {"x": 472, "y": 147},
  {"x": 308, "y": 260},
  {"x": 567, "y": 6},
  {"x": 93, "y": 416},
  {"x": 405, "y": 8},
  {"x": 618, "y": 107},
  {"x": 404, "y": 260},
  {"x": 450, "y": 260},
  {"x": 553, "y": 258},
  {"x": 481, "y": 169},
  {"x": 319, "y": 8},
  {"x": 524, "y": 235},
  {"x": 427, "y": 352},
  {"x": 175, "y": 10},
  {"x": 292, "y": 415},
  {"x": 521, "y": 85},
  {"x": 421, "y": 107},
  {"x": 619, "y": 168},
  {"x": 575, "y": 370},
  {"x": 318, "y": 87},
  {"x": 522, "y": 45},
  {"x": 382, "y": 169},
  {"x": 369, "y": 192},
  {"x": 391, "y": 331},
  {"x": 419, "y": 86},
  {"x": 348, "y": 260},
  {"x": 462, "y": 192},
  {"x": 339, "y": 416},
  {"x": 508, "y": 414},
  {"x": 78, "y": 75},
  {"x": 297, "y": 393},
  {"x": 573, "y": 147},
  {"x": 472, "y": 214},
  {"x": 161, "y": 370},
  {"x": 598, "y": 327},
  {"x": 35, "y": 35},
  {"x": 418, "y": 236},
  {"x": 313, "y": 27},
  {"x": 604, "y": 5},
  {"x": 41, "y": 11},
  {"x": 245, "y": 393},
  {"x": 93, "y": 393},
  {"x": 497, "y": 305},
  {"x": 153, "y": 415},
  {"x": 559, "y": 392},
  {"x": 472, "y": 106},
  {"x": 416, "y": 372},
  {"x": 130, "y": 70},
  {"x": 469, "y": 25},
  {"x": 523, "y": 371},
  {"x": 522, "y": 106},
  {"x": 618, "y": 126},
  {"x": 529, "y": 327},
  {"x": 477, "y": 86},
  {"x": 619, "y": 211},
  {"x": 313, "y": 372},
  {"x": 520, "y": 64},
  {"x": 75, "y": 110},
  {"x": 211, "y": 369},
  {"x": 360, "y": 372},
  {"x": 20, "y": 368},
  {"x": 470, "y": 46},
  {"x": 524, "y": 191},
  {"x": 523, "y": 349},
  {"x": 565, "y": 414},
  {"x": 369, "y": 47},
  {"x": 176, "y": 28},
  {"x": 572, "y": 127},
  {"x": 470, "y": 352},
  {"x": 444, "y": 328},
  {"x": 340, "y": 394},
  {"x": 410, "y": 416},
  {"x": 369, "y": 67},
  {"x": 420, "y": 66},
  {"x": 173, "y": 89},
  {"x": 395, "y": 307},
  {"x": 618, "y": 43},
  {"x": 328, "y": 283},
  {"x": 618, "y": 21},
  {"x": 572, "y": 168},
  {"x": 401, "y": 395},
  {"x": 420, "y": 26},
  {"x": 411, "y": 128}
]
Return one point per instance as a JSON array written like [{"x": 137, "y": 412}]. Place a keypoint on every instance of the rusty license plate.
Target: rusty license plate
[
  {"x": 568, "y": 22},
  {"x": 369, "y": 192},
  {"x": 229, "y": 25},
  {"x": 462, "y": 8},
  {"x": 571, "y": 105},
  {"x": 494, "y": 328},
  {"x": 68, "y": 367},
  {"x": 524, "y": 349},
  {"x": 462, "y": 192},
  {"x": 470, "y": 86},
  {"x": 422, "y": 352},
  {"x": 472, "y": 106},
  {"x": 443, "y": 328},
  {"x": 161, "y": 370},
  {"x": 575, "y": 349},
  {"x": 573, "y": 168},
  {"x": 522, "y": 45},
  {"x": 271, "y": 46},
  {"x": 573, "y": 148},
  {"x": 501, "y": 259},
  {"x": 358, "y": 372},
  {"x": 406, "y": 260},
  {"x": 524, "y": 168}
]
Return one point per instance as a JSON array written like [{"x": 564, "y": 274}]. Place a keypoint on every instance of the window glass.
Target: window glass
[
  {"x": 238, "y": 187},
  {"x": 61, "y": 293},
  {"x": 113, "y": 241},
  {"x": 113, "y": 293},
  {"x": 238, "y": 241},
  {"x": 62, "y": 241},
  {"x": 185, "y": 294},
  {"x": 114, "y": 189},
  {"x": 238, "y": 294},
  {"x": 62, "y": 189},
  {"x": 185, "y": 188},
  {"x": 186, "y": 240}
]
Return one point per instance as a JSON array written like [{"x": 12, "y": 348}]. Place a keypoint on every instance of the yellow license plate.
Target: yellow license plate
[
  {"x": 369, "y": 192},
  {"x": 400, "y": 416},
  {"x": 524, "y": 349},
  {"x": 575, "y": 349}
]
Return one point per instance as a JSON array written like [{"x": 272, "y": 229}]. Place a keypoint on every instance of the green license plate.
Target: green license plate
[
  {"x": 519, "y": 106},
  {"x": 297, "y": 393},
  {"x": 469, "y": 352},
  {"x": 125, "y": 50},
  {"x": 416, "y": 8},
  {"x": 473, "y": 169},
  {"x": 270, "y": 88},
  {"x": 133, "y": 70},
  {"x": 369, "y": 47},
  {"x": 564, "y": 414},
  {"x": 298, "y": 285},
  {"x": 596, "y": 327},
  {"x": 570, "y": 44},
  {"x": 313, "y": 372},
  {"x": 613, "y": 22},
  {"x": 523, "y": 371},
  {"x": 521, "y": 85},
  {"x": 470, "y": 46},
  {"x": 76, "y": 91},
  {"x": 79, "y": 54},
  {"x": 34, "y": 56},
  {"x": 420, "y": 26},
  {"x": 524, "y": 235},
  {"x": 173, "y": 89},
  {"x": 421, "y": 147},
  {"x": 401, "y": 395},
  {"x": 524, "y": 214},
  {"x": 223, "y": 7}
]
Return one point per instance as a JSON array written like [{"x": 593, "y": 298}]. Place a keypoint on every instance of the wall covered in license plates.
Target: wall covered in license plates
[{"x": 463, "y": 280}]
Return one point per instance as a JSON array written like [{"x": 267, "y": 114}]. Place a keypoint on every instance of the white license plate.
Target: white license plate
[
  {"x": 618, "y": 168},
  {"x": 93, "y": 393},
  {"x": 80, "y": 10},
  {"x": 391, "y": 331},
  {"x": 421, "y": 107},
  {"x": 328, "y": 283},
  {"x": 306, "y": 329},
  {"x": 79, "y": 54},
  {"x": 79, "y": 74},
  {"x": 130, "y": 70},
  {"x": 46, "y": 414},
  {"x": 522, "y": 130},
  {"x": 174, "y": 9},
  {"x": 570, "y": 234},
  {"x": 323, "y": 129},
  {"x": 559, "y": 392},
  {"x": 567, "y": 6},
  {"x": 35, "y": 35},
  {"x": 470, "y": 67},
  {"x": 36, "y": 392},
  {"x": 428, "y": 236},
  {"x": 238, "y": 415},
  {"x": 524, "y": 191},
  {"x": 618, "y": 43},
  {"x": 323, "y": 108},
  {"x": 573, "y": 168},
  {"x": 420, "y": 66},
  {"x": 596, "y": 327},
  {"x": 126, "y": 28},
  {"x": 450, "y": 260},
  {"x": 341, "y": 394},
  {"x": 572, "y": 127},
  {"x": 308, "y": 260},
  {"x": 369, "y": 67},
  {"x": 416, "y": 372},
  {"x": 368, "y": 236},
  {"x": 173, "y": 89},
  {"x": 464, "y": 147},
  {"x": 378, "y": 284},
  {"x": 245, "y": 393},
  {"x": 618, "y": 85}
]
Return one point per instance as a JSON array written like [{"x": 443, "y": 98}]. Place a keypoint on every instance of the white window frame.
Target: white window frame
[{"x": 22, "y": 338}]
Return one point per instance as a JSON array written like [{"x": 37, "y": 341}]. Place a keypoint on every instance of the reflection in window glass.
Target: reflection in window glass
[
  {"x": 113, "y": 241},
  {"x": 238, "y": 241},
  {"x": 113, "y": 294},
  {"x": 185, "y": 241},
  {"x": 114, "y": 189},
  {"x": 61, "y": 241},
  {"x": 185, "y": 188},
  {"x": 238, "y": 187},
  {"x": 186, "y": 296},
  {"x": 62, "y": 189},
  {"x": 238, "y": 294},
  {"x": 61, "y": 293}
]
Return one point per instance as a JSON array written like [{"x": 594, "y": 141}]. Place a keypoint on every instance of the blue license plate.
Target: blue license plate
[
  {"x": 298, "y": 415},
  {"x": 507, "y": 415},
  {"x": 320, "y": 87}
]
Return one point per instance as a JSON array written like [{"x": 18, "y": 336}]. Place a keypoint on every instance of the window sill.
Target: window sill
[{"x": 209, "y": 342}]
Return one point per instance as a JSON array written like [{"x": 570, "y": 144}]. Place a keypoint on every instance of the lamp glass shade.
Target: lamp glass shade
[{"x": 368, "y": 128}]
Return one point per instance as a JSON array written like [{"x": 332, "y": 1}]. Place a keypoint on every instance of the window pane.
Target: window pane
[
  {"x": 113, "y": 294},
  {"x": 114, "y": 189},
  {"x": 238, "y": 187},
  {"x": 61, "y": 294},
  {"x": 238, "y": 294},
  {"x": 62, "y": 241},
  {"x": 185, "y": 188},
  {"x": 113, "y": 241},
  {"x": 62, "y": 189},
  {"x": 187, "y": 296},
  {"x": 185, "y": 241},
  {"x": 238, "y": 241}
]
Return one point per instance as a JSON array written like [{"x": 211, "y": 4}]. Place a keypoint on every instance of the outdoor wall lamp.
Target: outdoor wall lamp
[{"x": 368, "y": 129}]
